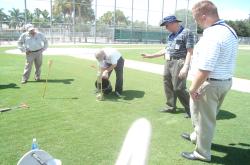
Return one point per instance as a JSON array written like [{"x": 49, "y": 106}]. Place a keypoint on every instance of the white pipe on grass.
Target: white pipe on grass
[{"x": 135, "y": 147}]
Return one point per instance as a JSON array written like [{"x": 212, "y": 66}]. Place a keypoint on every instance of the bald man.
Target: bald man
[{"x": 111, "y": 59}]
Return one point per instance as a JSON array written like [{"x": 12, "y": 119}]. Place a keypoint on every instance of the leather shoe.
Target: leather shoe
[
  {"x": 168, "y": 110},
  {"x": 187, "y": 116},
  {"x": 186, "y": 136},
  {"x": 191, "y": 156}
]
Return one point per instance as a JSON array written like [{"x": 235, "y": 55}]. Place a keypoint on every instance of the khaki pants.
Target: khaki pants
[
  {"x": 203, "y": 115},
  {"x": 35, "y": 57},
  {"x": 174, "y": 86}
]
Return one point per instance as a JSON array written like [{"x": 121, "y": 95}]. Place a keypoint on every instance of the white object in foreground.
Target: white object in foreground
[
  {"x": 135, "y": 147},
  {"x": 38, "y": 157}
]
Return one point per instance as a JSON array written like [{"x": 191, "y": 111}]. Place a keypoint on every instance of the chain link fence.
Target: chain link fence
[{"x": 148, "y": 14}]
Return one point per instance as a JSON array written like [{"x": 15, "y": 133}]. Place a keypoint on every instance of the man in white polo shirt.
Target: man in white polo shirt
[
  {"x": 109, "y": 59},
  {"x": 32, "y": 43},
  {"x": 212, "y": 68}
]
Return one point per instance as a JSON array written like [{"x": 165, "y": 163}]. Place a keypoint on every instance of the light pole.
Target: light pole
[
  {"x": 186, "y": 22},
  {"x": 114, "y": 24},
  {"x": 132, "y": 23},
  {"x": 162, "y": 13},
  {"x": 95, "y": 19},
  {"x": 147, "y": 23},
  {"x": 74, "y": 9},
  {"x": 51, "y": 17},
  {"x": 25, "y": 12},
  {"x": 176, "y": 1}
]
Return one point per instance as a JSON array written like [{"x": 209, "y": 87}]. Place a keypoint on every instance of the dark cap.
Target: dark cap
[{"x": 169, "y": 19}]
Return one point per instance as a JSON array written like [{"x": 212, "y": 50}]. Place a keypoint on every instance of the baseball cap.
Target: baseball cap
[
  {"x": 29, "y": 27},
  {"x": 169, "y": 19}
]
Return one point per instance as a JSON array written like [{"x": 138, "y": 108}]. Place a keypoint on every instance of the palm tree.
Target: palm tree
[
  {"x": 63, "y": 7},
  {"x": 83, "y": 10},
  {"x": 45, "y": 15},
  {"x": 29, "y": 15},
  {"x": 16, "y": 18},
  {"x": 37, "y": 13},
  {"x": 3, "y": 17},
  {"x": 45, "y": 19},
  {"x": 37, "y": 17}
]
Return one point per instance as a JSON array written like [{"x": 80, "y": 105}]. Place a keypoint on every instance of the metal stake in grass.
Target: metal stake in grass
[
  {"x": 22, "y": 105},
  {"x": 99, "y": 95},
  {"x": 46, "y": 82}
]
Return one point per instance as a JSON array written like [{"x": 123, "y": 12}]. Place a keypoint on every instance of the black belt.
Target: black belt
[
  {"x": 213, "y": 79},
  {"x": 176, "y": 58},
  {"x": 37, "y": 50}
]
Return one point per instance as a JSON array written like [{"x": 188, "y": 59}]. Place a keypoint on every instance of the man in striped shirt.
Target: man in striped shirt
[
  {"x": 213, "y": 65},
  {"x": 178, "y": 53}
]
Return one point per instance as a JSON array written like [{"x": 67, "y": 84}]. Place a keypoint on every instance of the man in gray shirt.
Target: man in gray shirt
[
  {"x": 32, "y": 43},
  {"x": 177, "y": 54}
]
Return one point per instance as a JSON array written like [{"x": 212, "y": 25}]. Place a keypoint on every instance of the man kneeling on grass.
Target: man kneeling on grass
[{"x": 109, "y": 59}]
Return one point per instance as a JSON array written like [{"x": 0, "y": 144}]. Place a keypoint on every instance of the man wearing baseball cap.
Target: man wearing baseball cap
[
  {"x": 33, "y": 43},
  {"x": 178, "y": 51}
]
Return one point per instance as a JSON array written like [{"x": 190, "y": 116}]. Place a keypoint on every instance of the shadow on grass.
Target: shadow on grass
[
  {"x": 225, "y": 115},
  {"x": 233, "y": 155},
  {"x": 127, "y": 95},
  {"x": 179, "y": 110},
  {"x": 10, "y": 85},
  {"x": 132, "y": 94},
  {"x": 64, "y": 81}
]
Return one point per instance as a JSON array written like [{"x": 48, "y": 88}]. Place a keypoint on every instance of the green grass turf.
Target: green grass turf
[
  {"x": 133, "y": 52},
  {"x": 72, "y": 126},
  {"x": 242, "y": 69},
  {"x": 242, "y": 65}
]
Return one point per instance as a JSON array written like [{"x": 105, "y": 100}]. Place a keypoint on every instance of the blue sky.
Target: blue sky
[{"x": 228, "y": 9}]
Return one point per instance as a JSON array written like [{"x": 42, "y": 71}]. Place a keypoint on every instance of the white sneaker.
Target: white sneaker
[
  {"x": 23, "y": 81},
  {"x": 118, "y": 95}
]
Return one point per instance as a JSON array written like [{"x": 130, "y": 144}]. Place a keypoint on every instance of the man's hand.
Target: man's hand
[
  {"x": 195, "y": 95},
  {"x": 196, "y": 90},
  {"x": 146, "y": 55},
  {"x": 28, "y": 52},
  {"x": 105, "y": 74},
  {"x": 183, "y": 72}
]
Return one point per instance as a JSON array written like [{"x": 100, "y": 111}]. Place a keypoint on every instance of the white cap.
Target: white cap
[{"x": 29, "y": 27}]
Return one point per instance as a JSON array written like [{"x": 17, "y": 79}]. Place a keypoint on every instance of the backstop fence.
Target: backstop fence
[{"x": 142, "y": 22}]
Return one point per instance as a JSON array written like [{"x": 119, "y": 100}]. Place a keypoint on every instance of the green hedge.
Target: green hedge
[{"x": 140, "y": 36}]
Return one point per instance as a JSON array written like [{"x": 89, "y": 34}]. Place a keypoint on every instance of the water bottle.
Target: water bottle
[{"x": 34, "y": 145}]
